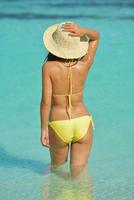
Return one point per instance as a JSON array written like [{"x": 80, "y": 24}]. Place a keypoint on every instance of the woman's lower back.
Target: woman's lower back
[{"x": 59, "y": 112}]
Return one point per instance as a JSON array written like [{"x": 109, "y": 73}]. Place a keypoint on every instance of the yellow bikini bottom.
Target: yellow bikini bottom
[{"x": 72, "y": 130}]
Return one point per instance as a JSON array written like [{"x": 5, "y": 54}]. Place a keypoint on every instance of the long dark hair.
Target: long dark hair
[{"x": 52, "y": 57}]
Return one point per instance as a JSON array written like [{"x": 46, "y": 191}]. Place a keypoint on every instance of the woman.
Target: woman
[{"x": 64, "y": 118}]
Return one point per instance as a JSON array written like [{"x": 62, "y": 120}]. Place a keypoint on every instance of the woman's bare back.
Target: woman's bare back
[{"x": 60, "y": 87}]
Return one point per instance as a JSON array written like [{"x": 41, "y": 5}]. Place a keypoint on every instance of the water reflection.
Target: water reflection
[{"x": 62, "y": 184}]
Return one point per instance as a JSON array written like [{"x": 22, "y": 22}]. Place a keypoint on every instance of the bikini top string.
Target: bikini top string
[{"x": 69, "y": 105}]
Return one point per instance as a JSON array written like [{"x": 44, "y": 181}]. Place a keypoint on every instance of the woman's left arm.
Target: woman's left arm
[{"x": 45, "y": 104}]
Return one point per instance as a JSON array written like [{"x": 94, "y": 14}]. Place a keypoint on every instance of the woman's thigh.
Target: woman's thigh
[
  {"x": 79, "y": 152},
  {"x": 58, "y": 149}
]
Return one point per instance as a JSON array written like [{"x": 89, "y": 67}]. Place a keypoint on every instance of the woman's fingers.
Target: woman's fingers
[
  {"x": 74, "y": 34},
  {"x": 71, "y": 27},
  {"x": 45, "y": 141},
  {"x": 67, "y": 29},
  {"x": 68, "y": 24}
]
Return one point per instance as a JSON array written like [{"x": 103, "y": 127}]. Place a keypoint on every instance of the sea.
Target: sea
[{"x": 108, "y": 95}]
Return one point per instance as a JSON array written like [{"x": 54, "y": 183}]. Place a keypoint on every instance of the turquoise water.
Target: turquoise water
[{"x": 109, "y": 96}]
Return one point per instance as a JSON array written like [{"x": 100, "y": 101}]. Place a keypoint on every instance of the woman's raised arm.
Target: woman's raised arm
[{"x": 78, "y": 31}]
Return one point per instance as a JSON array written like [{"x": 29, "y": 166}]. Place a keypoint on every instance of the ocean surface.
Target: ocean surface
[{"x": 109, "y": 96}]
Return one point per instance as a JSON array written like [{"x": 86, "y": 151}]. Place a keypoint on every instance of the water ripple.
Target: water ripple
[
  {"x": 31, "y": 16},
  {"x": 79, "y": 4},
  {"x": 91, "y": 4}
]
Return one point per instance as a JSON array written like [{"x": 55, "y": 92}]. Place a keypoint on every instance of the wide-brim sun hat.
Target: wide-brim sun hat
[{"x": 62, "y": 44}]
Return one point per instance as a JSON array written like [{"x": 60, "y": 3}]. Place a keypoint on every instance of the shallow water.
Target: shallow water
[
  {"x": 62, "y": 184},
  {"x": 109, "y": 96}
]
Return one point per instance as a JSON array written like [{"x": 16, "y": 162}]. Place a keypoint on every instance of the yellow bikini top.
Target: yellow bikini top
[{"x": 69, "y": 105}]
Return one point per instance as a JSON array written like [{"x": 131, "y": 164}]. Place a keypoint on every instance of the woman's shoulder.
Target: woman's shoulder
[
  {"x": 51, "y": 66},
  {"x": 84, "y": 59}
]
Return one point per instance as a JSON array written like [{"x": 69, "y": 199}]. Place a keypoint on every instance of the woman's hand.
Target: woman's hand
[
  {"x": 45, "y": 138},
  {"x": 74, "y": 28}
]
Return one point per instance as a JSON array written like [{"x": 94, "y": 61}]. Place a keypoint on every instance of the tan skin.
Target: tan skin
[{"x": 54, "y": 74}]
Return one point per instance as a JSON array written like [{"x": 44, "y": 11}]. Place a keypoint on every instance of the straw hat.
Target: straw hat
[{"x": 62, "y": 44}]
